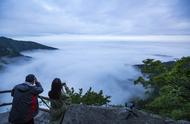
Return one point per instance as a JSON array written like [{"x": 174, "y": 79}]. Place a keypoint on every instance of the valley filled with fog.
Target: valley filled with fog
[{"x": 102, "y": 65}]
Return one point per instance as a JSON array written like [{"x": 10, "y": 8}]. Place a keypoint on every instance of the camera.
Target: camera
[{"x": 63, "y": 84}]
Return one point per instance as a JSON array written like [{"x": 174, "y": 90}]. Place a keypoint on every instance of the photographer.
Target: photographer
[
  {"x": 25, "y": 101},
  {"x": 59, "y": 101}
]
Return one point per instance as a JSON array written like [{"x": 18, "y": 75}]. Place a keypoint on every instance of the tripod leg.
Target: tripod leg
[
  {"x": 128, "y": 116},
  {"x": 135, "y": 114}
]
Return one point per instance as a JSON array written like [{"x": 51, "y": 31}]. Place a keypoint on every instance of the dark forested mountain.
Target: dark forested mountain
[{"x": 10, "y": 47}]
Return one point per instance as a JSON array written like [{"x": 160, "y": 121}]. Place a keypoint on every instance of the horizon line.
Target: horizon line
[{"x": 71, "y": 37}]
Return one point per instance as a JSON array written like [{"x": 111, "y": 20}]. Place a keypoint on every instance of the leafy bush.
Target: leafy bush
[
  {"x": 89, "y": 98},
  {"x": 170, "y": 87}
]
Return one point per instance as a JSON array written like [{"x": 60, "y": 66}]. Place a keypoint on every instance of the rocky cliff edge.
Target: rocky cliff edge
[{"x": 82, "y": 114}]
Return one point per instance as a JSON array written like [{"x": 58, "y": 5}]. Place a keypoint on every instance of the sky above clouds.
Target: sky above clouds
[{"x": 94, "y": 17}]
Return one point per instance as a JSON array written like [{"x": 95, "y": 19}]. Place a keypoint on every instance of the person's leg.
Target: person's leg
[{"x": 30, "y": 122}]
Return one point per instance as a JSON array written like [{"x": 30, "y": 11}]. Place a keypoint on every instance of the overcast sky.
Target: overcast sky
[{"x": 94, "y": 17}]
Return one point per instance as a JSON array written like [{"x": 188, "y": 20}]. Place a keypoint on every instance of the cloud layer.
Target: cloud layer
[
  {"x": 106, "y": 66},
  {"x": 113, "y": 17}
]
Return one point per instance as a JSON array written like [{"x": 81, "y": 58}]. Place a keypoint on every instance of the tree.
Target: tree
[{"x": 170, "y": 87}]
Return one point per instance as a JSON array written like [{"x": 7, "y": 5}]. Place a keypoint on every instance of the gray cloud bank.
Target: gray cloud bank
[{"x": 113, "y": 17}]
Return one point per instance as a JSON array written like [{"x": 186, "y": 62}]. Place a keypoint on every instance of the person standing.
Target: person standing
[
  {"x": 59, "y": 100},
  {"x": 25, "y": 101}
]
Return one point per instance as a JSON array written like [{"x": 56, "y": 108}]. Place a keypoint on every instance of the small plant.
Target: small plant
[{"x": 89, "y": 98}]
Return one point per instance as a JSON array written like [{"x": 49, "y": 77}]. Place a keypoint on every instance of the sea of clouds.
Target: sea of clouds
[{"x": 102, "y": 65}]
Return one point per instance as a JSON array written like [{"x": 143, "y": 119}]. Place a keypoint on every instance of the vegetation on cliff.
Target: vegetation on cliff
[
  {"x": 168, "y": 87},
  {"x": 89, "y": 98},
  {"x": 11, "y": 48}
]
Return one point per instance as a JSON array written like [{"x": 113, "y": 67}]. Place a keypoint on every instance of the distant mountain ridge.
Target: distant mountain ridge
[{"x": 12, "y": 48}]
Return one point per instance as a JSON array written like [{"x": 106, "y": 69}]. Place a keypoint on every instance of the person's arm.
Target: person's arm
[
  {"x": 66, "y": 96},
  {"x": 12, "y": 92},
  {"x": 68, "y": 91},
  {"x": 37, "y": 89}
]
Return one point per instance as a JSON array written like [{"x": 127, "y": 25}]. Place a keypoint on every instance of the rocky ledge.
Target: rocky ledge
[{"x": 82, "y": 114}]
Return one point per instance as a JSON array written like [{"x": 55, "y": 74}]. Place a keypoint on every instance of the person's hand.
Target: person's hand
[
  {"x": 35, "y": 80},
  {"x": 63, "y": 84}
]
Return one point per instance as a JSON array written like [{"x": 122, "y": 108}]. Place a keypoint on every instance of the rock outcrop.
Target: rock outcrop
[
  {"x": 82, "y": 114},
  {"x": 12, "y": 48}
]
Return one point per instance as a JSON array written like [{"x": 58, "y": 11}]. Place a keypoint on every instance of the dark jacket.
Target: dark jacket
[{"x": 25, "y": 102}]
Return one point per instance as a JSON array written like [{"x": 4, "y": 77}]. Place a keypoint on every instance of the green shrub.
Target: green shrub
[
  {"x": 170, "y": 87},
  {"x": 89, "y": 98}
]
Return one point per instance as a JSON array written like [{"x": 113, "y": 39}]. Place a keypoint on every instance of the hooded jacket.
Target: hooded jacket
[{"x": 25, "y": 102}]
